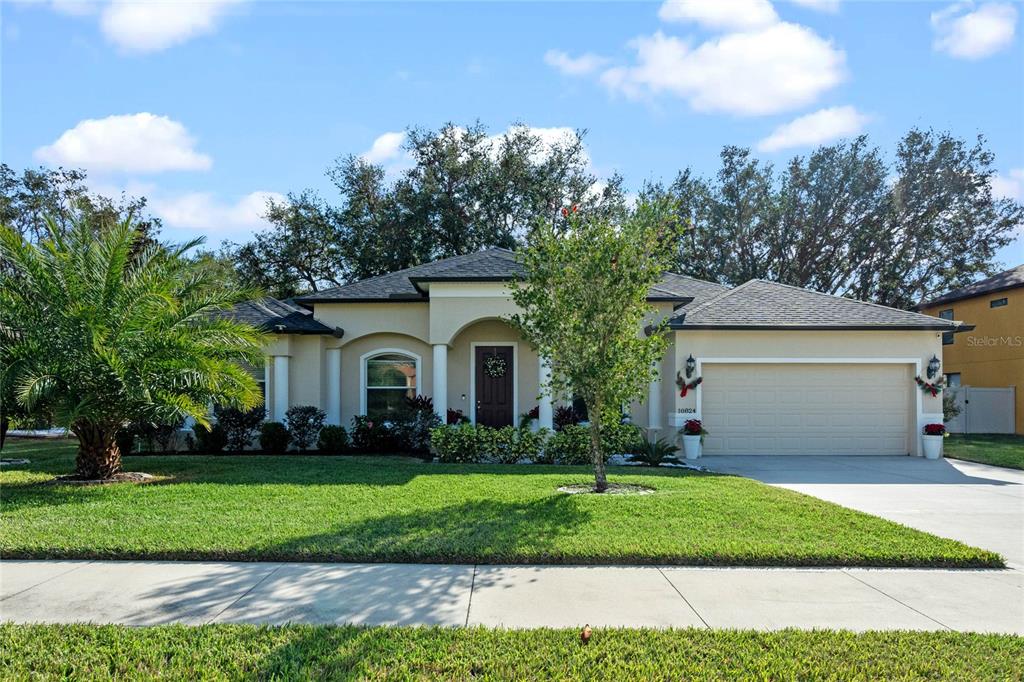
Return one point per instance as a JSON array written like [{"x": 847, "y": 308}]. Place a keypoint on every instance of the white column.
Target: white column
[
  {"x": 441, "y": 381},
  {"x": 280, "y": 387},
  {"x": 334, "y": 386},
  {"x": 546, "y": 412},
  {"x": 654, "y": 400},
  {"x": 267, "y": 388}
]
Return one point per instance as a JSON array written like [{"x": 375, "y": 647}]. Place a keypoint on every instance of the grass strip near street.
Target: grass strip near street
[{"x": 234, "y": 652}]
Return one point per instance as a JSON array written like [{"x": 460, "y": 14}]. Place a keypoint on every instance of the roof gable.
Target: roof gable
[{"x": 759, "y": 304}]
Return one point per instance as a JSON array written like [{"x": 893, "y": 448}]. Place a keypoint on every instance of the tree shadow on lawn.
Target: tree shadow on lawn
[{"x": 478, "y": 531}]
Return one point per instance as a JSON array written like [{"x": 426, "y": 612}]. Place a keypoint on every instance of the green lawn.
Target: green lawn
[
  {"x": 46, "y": 652},
  {"x": 396, "y": 509},
  {"x": 1000, "y": 450}
]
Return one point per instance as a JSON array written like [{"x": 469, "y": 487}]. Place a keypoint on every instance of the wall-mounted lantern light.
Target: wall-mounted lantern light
[
  {"x": 933, "y": 367},
  {"x": 691, "y": 366}
]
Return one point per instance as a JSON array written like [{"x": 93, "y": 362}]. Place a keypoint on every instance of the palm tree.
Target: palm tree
[{"x": 105, "y": 328}]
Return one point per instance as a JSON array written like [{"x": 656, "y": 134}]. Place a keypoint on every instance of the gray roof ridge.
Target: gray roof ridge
[
  {"x": 407, "y": 272},
  {"x": 696, "y": 279},
  {"x": 719, "y": 297},
  {"x": 851, "y": 300}
]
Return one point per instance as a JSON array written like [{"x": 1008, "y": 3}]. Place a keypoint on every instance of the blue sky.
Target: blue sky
[{"x": 208, "y": 108}]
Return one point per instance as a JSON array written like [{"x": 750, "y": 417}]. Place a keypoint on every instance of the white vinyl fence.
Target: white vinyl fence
[{"x": 983, "y": 410}]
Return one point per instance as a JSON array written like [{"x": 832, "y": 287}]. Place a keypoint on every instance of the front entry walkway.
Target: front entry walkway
[
  {"x": 977, "y": 504},
  {"x": 153, "y": 593}
]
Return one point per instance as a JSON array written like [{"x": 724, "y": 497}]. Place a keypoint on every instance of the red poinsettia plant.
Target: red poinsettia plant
[
  {"x": 935, "y": 429},
  {"x": 693, "y": 427}
]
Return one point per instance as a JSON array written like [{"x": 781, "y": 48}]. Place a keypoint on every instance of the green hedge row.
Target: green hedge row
[{"x": 466, "y": 443}]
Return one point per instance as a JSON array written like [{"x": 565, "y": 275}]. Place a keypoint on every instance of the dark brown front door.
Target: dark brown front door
[{"x": 494, "y": 382}]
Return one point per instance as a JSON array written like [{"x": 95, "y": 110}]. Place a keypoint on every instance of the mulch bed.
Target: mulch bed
[
  {"x": 612, "y": 489},
  {"x": 123, "y": 477}
]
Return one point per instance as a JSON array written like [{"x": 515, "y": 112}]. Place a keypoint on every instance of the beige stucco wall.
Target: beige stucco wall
[
  {"x": 455, "y": 305},
  {"x": 306, "y": 381},
  {"x": 360, "y": 319},
  {"x": 880, "y": 345}
]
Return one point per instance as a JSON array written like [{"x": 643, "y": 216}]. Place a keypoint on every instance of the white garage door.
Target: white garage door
[{"x": 807, "y": 409}]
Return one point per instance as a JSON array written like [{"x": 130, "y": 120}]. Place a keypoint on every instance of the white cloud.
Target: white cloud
[
  {"x": 824, "y": 125},
  {"x": 720, "y": 14},
  {"x": 967, "y": 33},
  {"x": 767, "y": 71},
  {"x": 587, "y": 63},
  {"x": 134, "y": 143},
  {"x": 830, "y": 6},
  {"x": 1009, "y": 186},
  {"x": 203, "y": 212},
  {"x": 158, "y": 24},
  {"x": 549, "y": 139},
  {"x": 385, "y": 148}
]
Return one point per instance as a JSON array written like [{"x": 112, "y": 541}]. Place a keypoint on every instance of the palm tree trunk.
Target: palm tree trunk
[
  {"x": 98, "y": 456},
  {"x": 596, "y": 455}
]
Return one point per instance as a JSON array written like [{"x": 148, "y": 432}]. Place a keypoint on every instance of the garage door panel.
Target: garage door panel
[{"x": 806, "y": 409}]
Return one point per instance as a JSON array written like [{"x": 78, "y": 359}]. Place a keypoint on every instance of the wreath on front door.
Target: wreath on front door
[{"x": 495, "y": 366}]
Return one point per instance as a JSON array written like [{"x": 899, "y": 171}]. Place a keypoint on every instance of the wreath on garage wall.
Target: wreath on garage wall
[
  {"x": 684, "y": 386},
  {"x": 495, "y": 366},
  {"x": 933, "y": 388}
]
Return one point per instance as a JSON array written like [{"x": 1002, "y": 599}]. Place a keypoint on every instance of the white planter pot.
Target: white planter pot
[
  {"x": 932, "y": 446},
  {"x": 534, "y": 425},
  {"x": 691, "y": 447}
]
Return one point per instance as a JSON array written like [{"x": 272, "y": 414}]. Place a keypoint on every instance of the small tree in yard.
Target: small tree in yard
[
  {"x": 584, "y": 307},
  {"x": 105, "y": 330}
]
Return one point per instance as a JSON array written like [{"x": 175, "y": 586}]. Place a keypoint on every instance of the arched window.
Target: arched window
[{"x": 389, "y": 378}]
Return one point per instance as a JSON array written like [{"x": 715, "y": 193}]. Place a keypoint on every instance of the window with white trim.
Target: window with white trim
[{"x": 390, "y": 379}]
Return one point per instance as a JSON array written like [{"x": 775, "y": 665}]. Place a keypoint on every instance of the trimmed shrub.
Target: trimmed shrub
[
  {"x": 333, "y": 439},
  {"x": 274, "y": 437},
  {"x": 211, "y": 439},
  {"x": 509, "y": 445},
  {"x": 571, "y": 445},
  {"x": 304, "y": 423},
  {"x": 621, "y": 439},
  {"x": 412, "y": 432},
  {"x": 457, "y": 444},
  {"x": 371, "y": 435},
  {"x": 240, "y": 426}
]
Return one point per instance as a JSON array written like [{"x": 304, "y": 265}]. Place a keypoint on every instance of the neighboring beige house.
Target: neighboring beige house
[{"x": 785, "y": 370}]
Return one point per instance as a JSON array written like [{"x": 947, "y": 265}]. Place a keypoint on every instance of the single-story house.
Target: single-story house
[{"x": 784, "y": 370}]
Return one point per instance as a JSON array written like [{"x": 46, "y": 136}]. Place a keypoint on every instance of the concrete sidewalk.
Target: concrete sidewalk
[{"x": 150, "y": 593}]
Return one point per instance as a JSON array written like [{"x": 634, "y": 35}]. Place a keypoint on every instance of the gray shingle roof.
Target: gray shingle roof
[
  {"x": 758, "y": 304},
  {"x": 490, "y": 265},
  {"x": 280, "y": 317},
  {"x": 1014, "y": 277}
]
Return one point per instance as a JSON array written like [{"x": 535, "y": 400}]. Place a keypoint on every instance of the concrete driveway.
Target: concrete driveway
[{"x": 975, "y": 503}]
